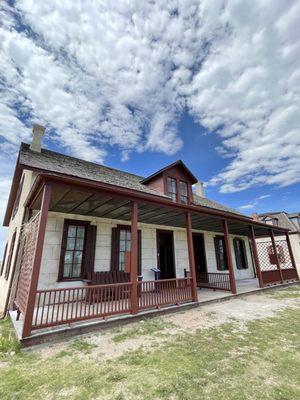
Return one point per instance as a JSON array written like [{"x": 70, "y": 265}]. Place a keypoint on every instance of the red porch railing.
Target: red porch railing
[
  {"x": 214, "y": 280},
  {"x": 61, "y": 306},
  {"x": 164, "y": 292}
]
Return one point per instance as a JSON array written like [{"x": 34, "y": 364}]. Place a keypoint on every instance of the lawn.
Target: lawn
[{"x": 257, "y": 359}]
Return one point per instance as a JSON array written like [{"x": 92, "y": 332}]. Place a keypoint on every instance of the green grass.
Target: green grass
[
  {"x": 144, "y": 327},
  {"x": 292, "y": 292},
  {"x": 8, "y": 341},
  {"x": 259, "y": 361}
]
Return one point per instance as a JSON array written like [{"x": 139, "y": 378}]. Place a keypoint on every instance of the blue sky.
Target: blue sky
[{"x": 137, "y": 85}]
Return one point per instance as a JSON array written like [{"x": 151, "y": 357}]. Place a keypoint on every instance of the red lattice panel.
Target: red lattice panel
[
  {"x": 267, "y": 260},
  {"x": 30, "y": 231},
  {"x": 284, "y": 254}
]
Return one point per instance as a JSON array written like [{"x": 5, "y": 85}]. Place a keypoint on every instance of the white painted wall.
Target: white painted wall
[{"x": 53, "y": 237}]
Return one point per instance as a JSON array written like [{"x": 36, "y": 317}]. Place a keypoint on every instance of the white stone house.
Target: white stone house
[{"x": 86, "y": 241}]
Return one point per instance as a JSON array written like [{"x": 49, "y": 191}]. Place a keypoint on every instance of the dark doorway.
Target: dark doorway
[
  {"x": 165, "y": 254},
  {"x": 199, "y": 251}
]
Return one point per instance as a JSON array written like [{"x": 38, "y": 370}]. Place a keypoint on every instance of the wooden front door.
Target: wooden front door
[
  {"x": 165, "y": 254},
  {"x": 199, "y": 252}
]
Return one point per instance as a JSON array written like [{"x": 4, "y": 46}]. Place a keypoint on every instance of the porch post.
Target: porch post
[
  {"x": 276, "y": 254},
  {"x": 255, "y": 257},
  {"x": 134, "y": 257},
  {"x": 229, "y": 257},
  {"x": 46, "y": 197},
  {"x": 191, "y": 254},
  {"x": 291, "y": 253}
]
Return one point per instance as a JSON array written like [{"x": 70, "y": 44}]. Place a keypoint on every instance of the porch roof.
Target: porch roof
[{"x": 75, "y": 196}]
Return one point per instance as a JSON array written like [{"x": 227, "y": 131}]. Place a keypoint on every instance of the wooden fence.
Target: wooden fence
[
  {"x": 68, "y": 305},
  {"x": 215, "y": 280}
]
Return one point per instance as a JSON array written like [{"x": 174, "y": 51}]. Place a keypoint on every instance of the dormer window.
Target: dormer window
[
  {"x": 183, "y": 189},
  {"x": 172, "y": 188}
]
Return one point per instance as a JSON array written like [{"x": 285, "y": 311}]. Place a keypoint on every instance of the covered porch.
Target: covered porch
[{"x": 44, "y": 308}]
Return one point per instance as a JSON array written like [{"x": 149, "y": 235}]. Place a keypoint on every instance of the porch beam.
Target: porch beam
[
  {"x": 255, "y": 256},
  {"x": 229, "y": 257},
  {"x": 134, "y": 257},
  {"x": 276, "y": 254},
  {"x": 191, "y": 255},
  {"x": 46, "y": 198},
  {"x": 288, "y": 242}
]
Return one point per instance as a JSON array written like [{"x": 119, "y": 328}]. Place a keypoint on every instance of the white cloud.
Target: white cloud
[
  {"x": 101, "y": 74},
  {"x": 254, "y": 203}
]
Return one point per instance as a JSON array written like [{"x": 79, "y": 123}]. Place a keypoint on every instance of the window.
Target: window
[
  {"x": 183, "y": 188},
  {"x": 10, "y": 254},
  {"x": 125, "y": 246},
  {"x": 17, "y": 200},
  {"x": 221, "y": 254},
  {"x": 271, "y": 221},
  {"x": 240, "y": 253},
  {"x": 280, "y": 253},
  {"x": 121, "y": 247},
  {"x": 172, "y": 188},
  {"x": 73, "y": 249},
  {"x": 295, "y": 221},
  {"x": 3, "y": 260}
]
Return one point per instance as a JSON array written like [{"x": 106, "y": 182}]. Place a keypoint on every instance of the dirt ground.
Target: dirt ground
[{"x": 239, "y": 310}]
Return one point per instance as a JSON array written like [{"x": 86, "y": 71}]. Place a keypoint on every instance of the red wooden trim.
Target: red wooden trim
[
  {"x": 67, "y": 223},
  {"x": 134, "y": 258},
  {"x": 255, "y": 257},
  {"x": 133, "y": 195},
  {"x": 10, "y": 254},
  {"x": 37, "y": 261},
  {"x": 276, "y": 254},
  {"x": 229, "y": 257},
  {"x": 191, "y": 255},
  {"x": 291, "y": 254}
]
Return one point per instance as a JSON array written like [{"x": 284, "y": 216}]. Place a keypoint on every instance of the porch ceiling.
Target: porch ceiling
[{"x": 71, "y": 201}]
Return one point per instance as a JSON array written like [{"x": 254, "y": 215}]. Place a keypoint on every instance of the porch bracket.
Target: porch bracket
[
  {"x": 255, "y": 257},
  {"x": 276, "y": 254},
  {"x": 191, "y": 255},
  {"x": 28, "y": 316},
  {"x": 229, "y": 257}
]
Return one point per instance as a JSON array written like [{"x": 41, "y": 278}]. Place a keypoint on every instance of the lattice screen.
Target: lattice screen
[
  {"x": 30, "y": 231},
  {"x": 267, "y": 259}
]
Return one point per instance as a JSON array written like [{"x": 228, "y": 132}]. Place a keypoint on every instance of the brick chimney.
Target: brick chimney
[
  {"x": 37, "y": 136},
  {"x": 255, "y": 217},
  {"x": 199, "y": 189}
]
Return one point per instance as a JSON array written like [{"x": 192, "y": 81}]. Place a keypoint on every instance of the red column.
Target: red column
[
  {"x": 276, "y": 254},
  {"x": 255, "y": 257},
  {"x": 134, "y": 257},
  {"x": 46, "y": 197},
  {"x": 291, "y": 253},
  {"x": 191, "y": 254},
  {"x": 229, "y": 257}
]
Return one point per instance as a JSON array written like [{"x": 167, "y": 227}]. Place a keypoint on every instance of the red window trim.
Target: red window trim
[
  {"x": 10, "y": 254},
  {"x": 235, "y": 240},
  {"x": 3, "y": 260},
  {"x": 178, "y": 192},
  {"x": 68, "y": 222},
  {"x": 217, "y": 253}
]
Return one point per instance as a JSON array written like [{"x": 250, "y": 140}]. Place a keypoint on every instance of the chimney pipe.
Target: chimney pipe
[
  {"x": 37, "y": 136},
  {"x": 199, "y": 189}
]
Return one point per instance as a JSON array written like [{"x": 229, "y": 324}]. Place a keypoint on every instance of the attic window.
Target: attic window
[
  {"x": 172, "y": 188},
  {"x": 183, "y": 188},
  {"x": 271, "y": 221}
]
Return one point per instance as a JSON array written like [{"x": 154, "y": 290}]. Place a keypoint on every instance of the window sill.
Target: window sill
[{"x": 70, "y": 280}]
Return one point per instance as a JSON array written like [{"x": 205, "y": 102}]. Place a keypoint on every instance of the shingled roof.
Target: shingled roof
[
  {"x": 282, "y": 217},
  {"x": 59, "y": 163}
]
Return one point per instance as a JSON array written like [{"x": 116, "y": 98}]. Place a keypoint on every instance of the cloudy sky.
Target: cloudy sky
[{"x": 136, "y": 85}]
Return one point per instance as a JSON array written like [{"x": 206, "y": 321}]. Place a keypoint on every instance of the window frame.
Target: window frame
[
  {"x": 235, "y": 246},
  {"x": 178, "y": 192},
  {"x": 67, "y": 223},
  {"x": 18, "y": 197},
  {"x": 10, "y": 255},
  {"x": 217, "y": 253},
  {"x": 4, "y": 259}
]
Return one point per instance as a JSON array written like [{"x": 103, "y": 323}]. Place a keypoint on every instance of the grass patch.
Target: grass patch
[
  {"x": 292, "y": 292},
  {"x": 8, "y": 341},
  {"x": 224, "y": 362},
  {"x": 80, "y": 345},
  {"x": 148, "y": 326}
]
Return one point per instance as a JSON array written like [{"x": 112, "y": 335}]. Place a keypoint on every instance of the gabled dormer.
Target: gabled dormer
[{"x": 175, "y": 181}]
